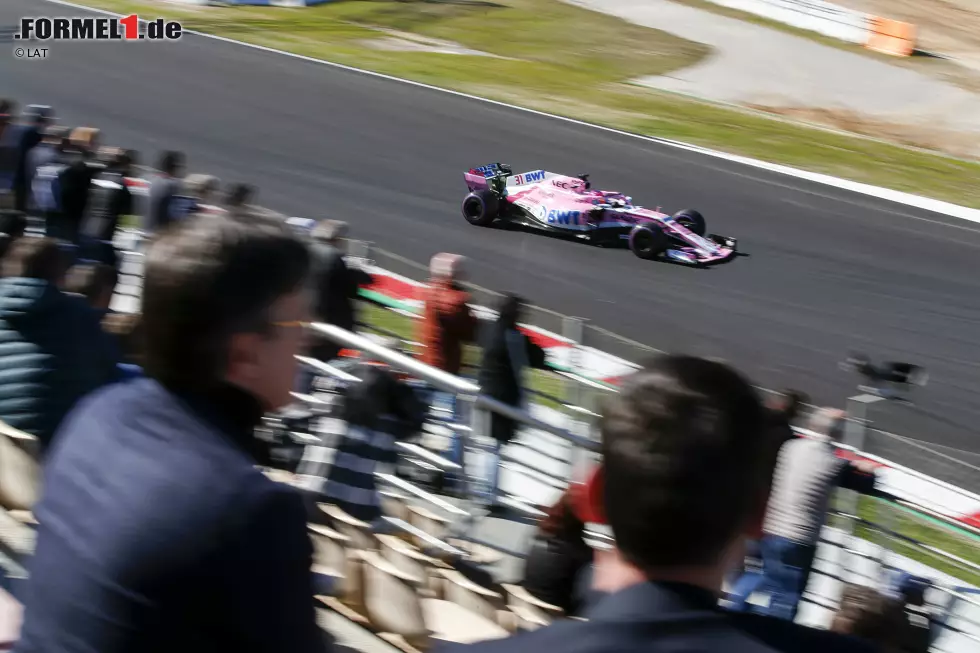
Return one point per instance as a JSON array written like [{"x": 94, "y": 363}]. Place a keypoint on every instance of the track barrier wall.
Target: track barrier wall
[{"x": 873, "y": 32}]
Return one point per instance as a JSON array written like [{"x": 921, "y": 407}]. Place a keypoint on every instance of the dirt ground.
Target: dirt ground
[{"x": 947, "y": 27}]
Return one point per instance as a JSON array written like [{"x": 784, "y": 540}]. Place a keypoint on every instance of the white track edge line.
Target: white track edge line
[{"x": 899, "y": 197}]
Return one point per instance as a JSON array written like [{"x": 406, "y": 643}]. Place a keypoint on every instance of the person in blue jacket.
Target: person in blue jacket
[{"x": 53, "y": 351}]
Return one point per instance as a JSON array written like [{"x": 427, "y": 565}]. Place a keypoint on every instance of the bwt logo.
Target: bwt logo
[
  {"x": 530, "y": 177},
  {"x": 564, "y": 217},
  {"x": 97, "y": 29}
]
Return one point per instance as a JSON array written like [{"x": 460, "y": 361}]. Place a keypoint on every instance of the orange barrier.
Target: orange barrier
[{"x": 891, "y": 37}]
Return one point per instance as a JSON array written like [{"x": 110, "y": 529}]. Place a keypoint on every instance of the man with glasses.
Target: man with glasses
[{"x": 157, "y": 531}]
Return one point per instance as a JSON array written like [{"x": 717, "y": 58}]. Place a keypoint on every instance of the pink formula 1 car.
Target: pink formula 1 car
[{"x": 568, "y": 205}]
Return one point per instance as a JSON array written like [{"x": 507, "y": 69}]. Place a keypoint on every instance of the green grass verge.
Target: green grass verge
[
  {"x": 901, "y": 520},
  {"x": 569, "y": 61},
  {"x": 921, "y": 528}
]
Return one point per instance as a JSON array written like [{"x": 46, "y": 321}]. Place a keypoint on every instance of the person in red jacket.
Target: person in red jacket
[
  {"x": 447, "y": 324},
  {"x": 447, "y": 321}
]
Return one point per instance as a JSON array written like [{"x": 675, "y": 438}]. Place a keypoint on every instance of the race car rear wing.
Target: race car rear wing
[{"x": 493, "y": 176}]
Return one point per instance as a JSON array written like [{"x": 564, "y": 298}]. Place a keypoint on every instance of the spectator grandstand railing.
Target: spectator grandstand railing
[{"x": 961, "y": 599}]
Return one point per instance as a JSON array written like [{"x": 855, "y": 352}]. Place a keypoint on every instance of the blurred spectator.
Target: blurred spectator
[
  {"x": 785, "y": 408},
  {"x": 559, "y": 557},
  {"x": 335, "y": 288},
  {"x": 96, "y": 282},
  {"x": 164, "y": 187},
  {"x": 52, "y": 348},
  {"x": 75, "y": 184},
  {"x": 7, "y": 108},
  {"x": 379, "y": 411},
  {"x": 203, "y": 192},
  {"x": 157, "y": 531},
  {"x": 51, "y": 150},
  {"x": 15, "y": 148},
  {"x": 507, "y": 353},
  {"x": 882, "y": 620},
  {"x": 687, "y": 463},
  {"x": 447, "y": 321},
  {"x": 807, "y": 471},
  {"x": 13, "y": 224},
  {"x": 239, "y": 196},
  {"x": 110, "y": 200},
  {"x": 48, "y": 161}
]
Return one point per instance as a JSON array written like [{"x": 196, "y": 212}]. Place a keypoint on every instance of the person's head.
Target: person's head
[
  {"x": 239, "y": 195},
  {"x": 57, "y": 136},
  {"x": 85, "y": 140},
  {"x": 201, "y": 187},
  {"x": 171, "y": 163},
  {"x": 224, "y": 299},
  {"x": 687, "y": 467},
  {"x": 787, "y": 404},
  {"x": 446, "y": 267},
  {"x": 330, "y": 232},
  {"x": 7, "y": 108},
  {"x": 509, "y": 311},
  {"x": 39, "y": 116},
  {"x": 94, "y": 281},
  {"x": 828, "y": 423},
  {"x": 122, "y": 162},
  {"x": 35, "y": 258}
]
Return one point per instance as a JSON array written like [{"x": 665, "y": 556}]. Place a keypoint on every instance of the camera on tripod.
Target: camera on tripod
[{"x": 889, "y": 379}]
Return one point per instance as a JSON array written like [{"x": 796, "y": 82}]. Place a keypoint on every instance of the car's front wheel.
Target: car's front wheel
[
  {"x": 648, "y": 241},
  {"x": 692, "y": 221},
  {"x": 481, "y": 208}
]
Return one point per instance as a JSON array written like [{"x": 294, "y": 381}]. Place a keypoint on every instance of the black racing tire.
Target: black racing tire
[
  {"x": 692, "y": 221},
  {"x": 481, "y": 208},
  {"x": 648, "y": 241}
]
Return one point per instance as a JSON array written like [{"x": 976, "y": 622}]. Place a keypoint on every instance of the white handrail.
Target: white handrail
[{"x": 445, "y": 381}]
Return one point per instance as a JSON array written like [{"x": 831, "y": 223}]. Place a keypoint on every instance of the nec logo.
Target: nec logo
[
  {"x": 529, "y": 177},
  {"x": 564, "y": 217}
]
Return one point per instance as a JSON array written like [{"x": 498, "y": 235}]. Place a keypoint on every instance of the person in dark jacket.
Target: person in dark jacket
[
  {"x": 110, "y": 199},
  {"x": 164, "y": 187},
  {"x": 239, "y": 196},
  {"x": 559, "y": 556},
  {"x": 379, "y": 411},
  {"x": 157, "y": 532},
  {"x": 53, "y": 351},
  {"x": 75, "y": 185},
  {"x": 507, "y": 354},
  {"x": 335, "y": 287},
  {"x": 51, "y": 149},
  {"x": 687, "y": 461},
  {"x": 18, "y": 141}
]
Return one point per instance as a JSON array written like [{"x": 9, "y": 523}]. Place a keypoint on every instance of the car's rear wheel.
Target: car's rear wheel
[
  {"x": 648, "y": 241},
  {"x": 692, "y": 221},
  {"x": 481, "y": 208}
]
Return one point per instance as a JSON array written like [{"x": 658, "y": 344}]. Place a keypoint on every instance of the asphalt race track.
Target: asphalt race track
[{"x": 827, "y": 271}]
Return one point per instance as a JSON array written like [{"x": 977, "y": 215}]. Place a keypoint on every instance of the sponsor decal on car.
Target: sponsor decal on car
[
  {"x": 563, "y": 183},
  {"x": 541, "y": 213},
  {"x": 529, "y": 177},
  {"x": 488, "y": 171},
  {"x": 558, "y": 216}
]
